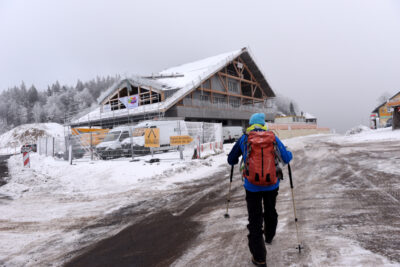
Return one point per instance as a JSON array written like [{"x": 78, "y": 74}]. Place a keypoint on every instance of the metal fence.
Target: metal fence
[
  {"x": 128, "y": 141},
  {"x": 50, "y": 146}
]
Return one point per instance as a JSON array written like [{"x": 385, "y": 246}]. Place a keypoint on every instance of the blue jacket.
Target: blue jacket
[{"x": 239, "y": 149}]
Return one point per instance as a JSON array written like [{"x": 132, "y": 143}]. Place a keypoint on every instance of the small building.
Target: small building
[
  {"x": 304, "y": 118},
  {"x": 395, "y": 106},
  {"x": 381, "y": 116},
  {"x": 227, "y": 88},
  {"x": 310, "y": 118},
  {"x": 290, "y": 119}
]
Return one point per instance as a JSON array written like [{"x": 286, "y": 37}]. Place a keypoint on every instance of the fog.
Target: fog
[{"x": 334, "y": 58}]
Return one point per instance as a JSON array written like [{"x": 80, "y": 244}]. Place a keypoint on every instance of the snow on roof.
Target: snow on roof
[
  {"x": 185, "y": 76},
  {"x": 135, "y": 81},
  {"x": 196, "y": 71},
  {"x": 96, "y": 114},
  {"x": 308, "y": 116}
]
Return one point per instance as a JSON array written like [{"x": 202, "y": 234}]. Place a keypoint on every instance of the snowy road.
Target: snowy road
[{"x": 347, "y": 197}]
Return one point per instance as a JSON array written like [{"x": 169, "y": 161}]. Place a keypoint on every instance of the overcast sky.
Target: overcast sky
[{"x": 334, "y": 58}]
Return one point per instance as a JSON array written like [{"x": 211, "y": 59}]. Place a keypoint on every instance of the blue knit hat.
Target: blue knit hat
[{"x": 257, "y": 118}]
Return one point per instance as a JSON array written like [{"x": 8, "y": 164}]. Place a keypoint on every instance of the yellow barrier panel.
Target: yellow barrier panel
[
  {"x": 152, "y": 137},
  {"x": 179, "y": 140}
]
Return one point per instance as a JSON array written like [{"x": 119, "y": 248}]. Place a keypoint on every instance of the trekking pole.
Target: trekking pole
[
  {"x": 226, "y": 215},
  {"x": 294, "y": 209}
]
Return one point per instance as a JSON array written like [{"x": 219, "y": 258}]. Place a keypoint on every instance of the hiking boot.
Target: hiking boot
[{"x": 258, "y": 263}]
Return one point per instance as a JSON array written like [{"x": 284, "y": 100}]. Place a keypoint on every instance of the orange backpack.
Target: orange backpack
[{"x": 259, "y": 167}]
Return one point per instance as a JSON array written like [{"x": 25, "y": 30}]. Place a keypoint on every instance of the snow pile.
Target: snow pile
[
  {"x": 358, "y": 129},
  {"x": 383, "y": 134},
  {"x": 28, "y": 134},
  {"x": 101, "y": 177}
]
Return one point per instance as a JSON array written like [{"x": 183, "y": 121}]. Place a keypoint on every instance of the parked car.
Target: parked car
[
  {"x": 232, "y": 133},
  {"x": 29, "y": 148},
  {"x": 389, "y": 122}
]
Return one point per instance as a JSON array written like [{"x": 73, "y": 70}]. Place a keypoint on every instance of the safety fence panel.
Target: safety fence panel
[
  {"x": 132, "y": 140},
  {"x": 51, "y": 146}
]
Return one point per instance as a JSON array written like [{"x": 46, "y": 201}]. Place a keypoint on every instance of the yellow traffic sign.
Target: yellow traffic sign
[
  {"x": 179, "y": 140},
  {"x": 152, "y": 137}
]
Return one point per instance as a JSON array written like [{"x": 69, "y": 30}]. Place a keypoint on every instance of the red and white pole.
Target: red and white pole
[{"x": 26, "y": 159}]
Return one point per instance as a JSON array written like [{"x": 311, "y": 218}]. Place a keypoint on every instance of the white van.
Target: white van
[
  {"x": 111, "y": 146},
  {"x": 167, "y": 128},
  {"x": 232, "y": 133}
]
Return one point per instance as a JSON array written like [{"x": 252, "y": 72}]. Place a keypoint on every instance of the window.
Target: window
[
  {"x": 124, "y": 135},
  {"x": 233, "y": 86},
  {"x": 219, "y": 100},
  {"x": 206, "y": 84},
  {"x": 234, "y": 102},
  {"x": 204, "y": 98}
]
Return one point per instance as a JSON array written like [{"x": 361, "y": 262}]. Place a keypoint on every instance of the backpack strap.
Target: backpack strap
[{"x": 248, "y": 149}]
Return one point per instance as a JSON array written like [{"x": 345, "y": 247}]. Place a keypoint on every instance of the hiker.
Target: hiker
[{"x": 260, "y": 150}]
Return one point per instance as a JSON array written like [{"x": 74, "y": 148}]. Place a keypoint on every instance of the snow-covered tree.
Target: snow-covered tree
[
  {"x": 291, "y": 108},
  {"x": 286, "y": 105},
  {"x": 384, "y": 97},
  {"x": 84, "y": 99},
  {"x": 19, "y": 105},
  {"x": 38, "y": 112}
]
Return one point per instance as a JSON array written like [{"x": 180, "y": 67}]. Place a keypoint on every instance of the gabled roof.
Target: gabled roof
[
  {"x": 376, "y": 110},
  {"x": 187, "y": 77}
]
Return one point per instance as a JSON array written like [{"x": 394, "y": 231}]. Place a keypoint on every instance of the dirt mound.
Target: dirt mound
[{"x": 29, "y": 133}]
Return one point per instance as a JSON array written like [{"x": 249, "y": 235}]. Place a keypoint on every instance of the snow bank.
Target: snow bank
[
  {"x": 383, "y": 134},
  {"x": 55, "y": 197},
  {"x": 358, "y": 129},
  {"x": 12, "y": 140}
]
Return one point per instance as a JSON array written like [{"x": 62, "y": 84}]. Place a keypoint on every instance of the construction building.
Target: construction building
[{"x": 227, "y": 88}]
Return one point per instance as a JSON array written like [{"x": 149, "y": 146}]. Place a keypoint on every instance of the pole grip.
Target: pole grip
[
  {"x": 290, "y": 176},
  {"x": 231, "y": 173}
]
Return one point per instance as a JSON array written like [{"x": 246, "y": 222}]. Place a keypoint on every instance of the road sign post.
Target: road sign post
[{"x": 180, "y": 141}]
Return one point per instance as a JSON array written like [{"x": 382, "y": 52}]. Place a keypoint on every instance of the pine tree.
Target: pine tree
[{"x": 291, "y": 108}]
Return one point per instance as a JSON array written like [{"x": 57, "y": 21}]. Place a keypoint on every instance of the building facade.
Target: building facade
[
  {"x": 227, "y": 88},
  {"x": 382, "y": 115}
]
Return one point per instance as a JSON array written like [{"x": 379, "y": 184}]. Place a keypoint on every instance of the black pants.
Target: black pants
[{"x": 256, "y": 217}]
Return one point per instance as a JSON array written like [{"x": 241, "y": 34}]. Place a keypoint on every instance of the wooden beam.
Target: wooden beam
[
  {"x": 139, "y": 91},
  {"x": 236, "y": 78},
  {"x": 223, "y": 83},
  {"x": 230, "y": 94},
  {"x": 151, "y": 98},
  {"x": 237, "y": 71},
  {"x": 251, "y": 75},
  {"x": 119, "y": 103},
  {"x": 128, "y": 88}
]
